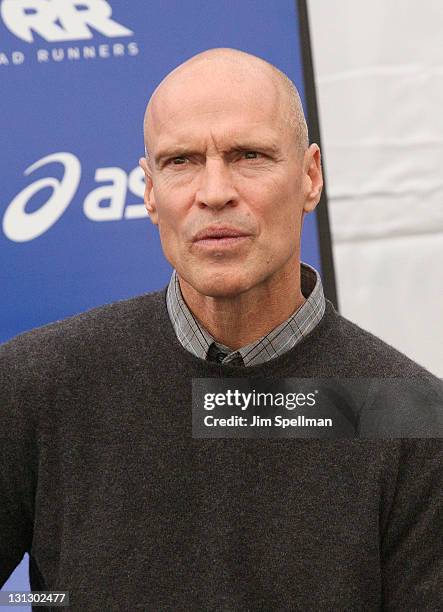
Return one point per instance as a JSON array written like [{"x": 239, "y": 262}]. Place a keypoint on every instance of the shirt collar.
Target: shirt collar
[{"x": 196, "y": 339}]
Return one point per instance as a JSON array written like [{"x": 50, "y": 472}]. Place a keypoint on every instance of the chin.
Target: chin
[{"x": 222, "y": 285}]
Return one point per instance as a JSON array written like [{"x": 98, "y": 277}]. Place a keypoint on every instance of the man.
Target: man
[{"x": 102, "y": 480}]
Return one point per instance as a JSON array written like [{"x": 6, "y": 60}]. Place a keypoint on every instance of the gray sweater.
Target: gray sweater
[{"x": 103, "y": 484}]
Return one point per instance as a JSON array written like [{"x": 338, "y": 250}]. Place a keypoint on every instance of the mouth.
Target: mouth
[
  {"x": 224, "y": 242},
  {"x": 218, "y": 233}
]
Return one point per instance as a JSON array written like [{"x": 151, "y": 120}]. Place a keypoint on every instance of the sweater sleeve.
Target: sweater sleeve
[
  {"x": 17, "y": 464},
  {"x": 412, "y": 543}
]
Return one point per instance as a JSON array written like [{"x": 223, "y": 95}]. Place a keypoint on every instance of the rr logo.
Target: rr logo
[{"x": 60, "y": 20}]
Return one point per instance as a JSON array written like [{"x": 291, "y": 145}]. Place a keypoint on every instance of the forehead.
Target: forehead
[{"x": 222, "y": 102}]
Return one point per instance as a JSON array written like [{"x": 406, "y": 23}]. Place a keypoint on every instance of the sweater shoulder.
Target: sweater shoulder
[
  {"x": 99, "y": 330},
  {"x": 364, "y": 353}
]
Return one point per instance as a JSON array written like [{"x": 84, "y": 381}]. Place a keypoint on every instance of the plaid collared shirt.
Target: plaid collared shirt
[{"x": 194, "y": 337}]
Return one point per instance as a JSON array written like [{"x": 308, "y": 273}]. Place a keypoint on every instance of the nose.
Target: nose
[{"x": 216, "y": 189}]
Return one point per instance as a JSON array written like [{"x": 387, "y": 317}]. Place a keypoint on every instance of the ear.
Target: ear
[
  {"x": 149, "y": 191},
  {"x": 312, "y": 177}
]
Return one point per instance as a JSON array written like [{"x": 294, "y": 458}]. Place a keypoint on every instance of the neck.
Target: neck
[{"x": 236, "y": 321}]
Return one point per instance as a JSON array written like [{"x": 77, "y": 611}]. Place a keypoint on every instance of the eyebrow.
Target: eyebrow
[{"x": 181, "y": 151}]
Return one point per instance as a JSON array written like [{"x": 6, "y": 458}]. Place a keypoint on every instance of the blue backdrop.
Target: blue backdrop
[{"x": 76, "y": 77}]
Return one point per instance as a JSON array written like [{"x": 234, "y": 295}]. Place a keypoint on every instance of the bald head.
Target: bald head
[
  {"x": 232, "y": 68},
  {"x": 227, "y": 143}
]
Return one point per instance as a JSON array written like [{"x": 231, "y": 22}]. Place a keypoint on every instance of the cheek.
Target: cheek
[
  {"x": 168, "y": 205},
  {"x": 277, "y": 208}
]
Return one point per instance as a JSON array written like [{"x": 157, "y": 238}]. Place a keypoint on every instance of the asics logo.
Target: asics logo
[{"x": 104, "y": 203}]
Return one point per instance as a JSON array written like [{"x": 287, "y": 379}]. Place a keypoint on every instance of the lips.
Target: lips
[{"x": 214, "y": 232}]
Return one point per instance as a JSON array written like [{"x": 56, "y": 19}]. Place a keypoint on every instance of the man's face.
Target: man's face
[{"x": 221, "y": 155}]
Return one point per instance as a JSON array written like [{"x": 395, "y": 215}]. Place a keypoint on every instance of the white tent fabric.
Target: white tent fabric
[{"x": 379, "y": 77}]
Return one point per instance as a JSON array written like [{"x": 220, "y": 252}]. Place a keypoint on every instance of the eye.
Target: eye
[
  {"x": 251, "y": 154},
  {"x": 176, "y": 161}
]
